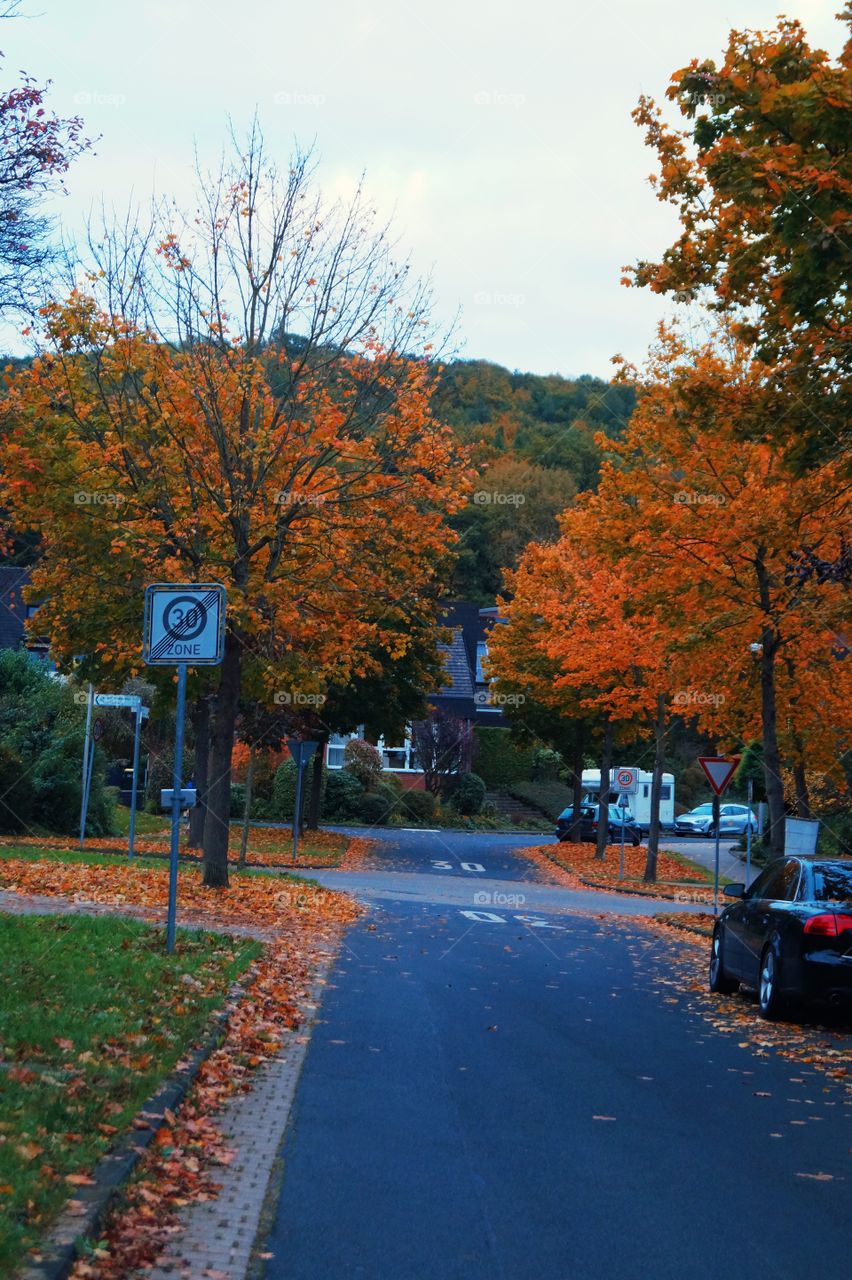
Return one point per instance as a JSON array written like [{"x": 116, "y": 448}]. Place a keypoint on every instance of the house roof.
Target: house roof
[
  {"x": 13, "y": 611},
  {"x": 463, "y": 695}
]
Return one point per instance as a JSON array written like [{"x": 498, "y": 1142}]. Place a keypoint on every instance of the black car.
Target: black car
[
  {"x": 589, "y": 824},
  {"x": 789, "y": 935}
]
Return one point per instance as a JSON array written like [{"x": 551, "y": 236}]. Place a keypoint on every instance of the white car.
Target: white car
[{"x": 734, "y": 820}]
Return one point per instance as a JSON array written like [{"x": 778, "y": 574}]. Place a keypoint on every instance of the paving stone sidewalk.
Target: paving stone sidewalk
[{"x": 217, "y": 1236}]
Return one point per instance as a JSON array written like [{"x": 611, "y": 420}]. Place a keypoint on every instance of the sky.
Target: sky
[{"x": 496, "y": 134}]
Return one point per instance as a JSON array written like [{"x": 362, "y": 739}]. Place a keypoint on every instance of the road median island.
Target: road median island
[
  {"x": 575, "y": 865},
  {"x": 104, "y": 1016}
]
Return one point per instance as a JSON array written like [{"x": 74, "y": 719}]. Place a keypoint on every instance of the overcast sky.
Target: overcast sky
[{"x": 498, "y": 133}]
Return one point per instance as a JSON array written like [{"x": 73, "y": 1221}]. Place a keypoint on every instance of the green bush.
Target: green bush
[
  {"x": 41, "y": 751},
  {"x": 417, "y": 806},
  {"x": 374, "y": 808},
  {"x": 342, "y": 794},
  {"x": 390, "y": 795},
  {"x": 499, "y": 760},
  {"x": 284, "y": 791},
  {"x": 469, "y": 794},
  {"x": 392, "y": 780},
  {"x": 363, "y": 761},
  {"x": 835, "y": 836},
  {"x": 238, "y": 799}
]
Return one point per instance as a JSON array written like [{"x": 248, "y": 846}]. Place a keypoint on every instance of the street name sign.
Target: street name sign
[
  {"x": 117, "y": 700},
  {"x": 184, "y": 624},
  {"x": 719, "y": 770}
]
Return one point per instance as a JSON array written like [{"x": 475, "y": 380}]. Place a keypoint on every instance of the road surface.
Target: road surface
[{"x": 508, "y": 1089}]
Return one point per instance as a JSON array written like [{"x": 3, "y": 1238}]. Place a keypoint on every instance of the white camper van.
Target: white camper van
[{"x": 640, "y": 804}]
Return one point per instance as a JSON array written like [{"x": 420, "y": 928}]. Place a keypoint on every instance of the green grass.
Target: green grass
[
  {"x": 147, "y": 824},
  {"x": 93, "y": 1015}
]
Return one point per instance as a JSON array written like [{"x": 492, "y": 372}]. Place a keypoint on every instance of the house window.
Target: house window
[
  {"x": 401, "y": 759},
  {"x": 481, "y": 658}
]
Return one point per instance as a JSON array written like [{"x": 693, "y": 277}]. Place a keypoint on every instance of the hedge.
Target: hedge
[{"x": 498, "y": 760}]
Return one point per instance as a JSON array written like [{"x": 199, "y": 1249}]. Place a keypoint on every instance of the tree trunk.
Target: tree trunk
[
  {"x": 315, "y": 790},
  {"x": 577, "y": 782},
  {"x": 217, "y": 824},
  {"x": 656, "y": 788},
  {"x": 771, "y": 755},
  {"x": 200, "y": 718},
  {"x": 604, "y": 794},
  {"x": 803, "y": 799},
  {"x": 247, "y": 810}
]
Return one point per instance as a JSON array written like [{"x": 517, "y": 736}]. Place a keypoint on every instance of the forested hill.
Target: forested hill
[
  {"x": 547, "y": 419},
  {"x": 534, "y": 447}
]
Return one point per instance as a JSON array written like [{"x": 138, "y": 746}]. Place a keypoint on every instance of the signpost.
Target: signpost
[
  {"x": 95, "y": 731},
  {"x": 184, "y": 627},
  {"x": 749, "y": 792},
  {"x": 301, "y": 753},
  {"x": 84, "y": 792},
  {"x": 623, "y": 803},
  {"x": 718, "y": 770}
]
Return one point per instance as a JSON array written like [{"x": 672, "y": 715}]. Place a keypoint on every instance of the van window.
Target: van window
[
  {"x": 645, "y": 790},
  {"x": 665, "y": 791}
]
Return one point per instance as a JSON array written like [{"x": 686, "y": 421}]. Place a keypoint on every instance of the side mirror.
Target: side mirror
[{"x": 734, "y": 890}]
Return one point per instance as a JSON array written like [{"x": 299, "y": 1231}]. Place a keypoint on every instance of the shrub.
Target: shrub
[
  {"x": 468, "y": 794},
  {"x": 373, "y": 808},
  {"x": 547, "y": 764},
  {"x": 392, "y": 780},
  {"x": 499, "y": 760},
  {"x": 342, "y": 794},
  {"x": 284, "y": 791},
  {"x": 363, "y": 761},
  {"x": 418, "y": 806},
  {"x": 238, "y": 799},
  {"x": 390, "y": 795},
  {"x": 41, "y": 750}
]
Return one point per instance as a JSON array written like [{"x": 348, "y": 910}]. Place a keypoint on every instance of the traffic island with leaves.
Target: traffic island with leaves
[
  {"x": 576, "y": 865},
  {"x": 297, "y": 922}
]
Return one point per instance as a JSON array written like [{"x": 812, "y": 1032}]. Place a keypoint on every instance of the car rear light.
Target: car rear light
[{"x": 828, "y": 925}]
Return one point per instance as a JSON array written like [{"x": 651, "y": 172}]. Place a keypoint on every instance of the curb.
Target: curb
[
  {"x": 684, "y": 928},
  {"x": 634, "y": 893},
  {"x": 59, "y": 1253}
]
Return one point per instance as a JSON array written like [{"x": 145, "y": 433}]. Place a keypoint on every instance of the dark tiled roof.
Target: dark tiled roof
[
  {"x": 12, "y": 608},
  {"x": 459, "y": 683}
]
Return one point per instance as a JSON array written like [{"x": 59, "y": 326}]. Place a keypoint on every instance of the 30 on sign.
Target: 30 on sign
[{"x": 184, "y": 624}]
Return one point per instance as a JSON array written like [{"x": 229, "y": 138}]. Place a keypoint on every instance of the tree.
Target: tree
[
  {"x": 444, "y": 746},
  {"x": 762, "y": 182},
  {"x": 203, "y": 440},
  {"x": 718, "y": 534},
  {"x": 36, "y": 150}
]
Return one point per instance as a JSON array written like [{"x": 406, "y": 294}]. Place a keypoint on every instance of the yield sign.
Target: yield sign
[{"x": 719, "y": 770}]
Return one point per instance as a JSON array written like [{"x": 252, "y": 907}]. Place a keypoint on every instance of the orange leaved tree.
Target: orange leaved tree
[{"x": 242, "y": 397}]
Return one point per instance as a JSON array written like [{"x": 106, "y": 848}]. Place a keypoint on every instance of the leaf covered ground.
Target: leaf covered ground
[{"x": 576, "y": 866}]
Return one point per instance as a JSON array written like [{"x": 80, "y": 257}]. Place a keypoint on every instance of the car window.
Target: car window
[
  {"x": 782, "y": 883},
  {"x": 758, "y": 886},
  {"x": 702, "y": 809},
  {"x": 833, "y": 883}
]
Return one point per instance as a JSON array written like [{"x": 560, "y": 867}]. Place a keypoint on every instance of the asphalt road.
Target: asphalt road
[{"x": 508, "y": 1092}]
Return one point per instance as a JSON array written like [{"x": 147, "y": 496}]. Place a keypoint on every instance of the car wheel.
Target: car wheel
[
  {"x": 719, "y": 981},
  {"x": 768, "y": 995}
]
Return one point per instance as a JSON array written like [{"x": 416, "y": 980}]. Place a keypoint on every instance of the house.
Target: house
[
  {"x": 465, "y": 695},
  {"x": 14, "y": 612}
]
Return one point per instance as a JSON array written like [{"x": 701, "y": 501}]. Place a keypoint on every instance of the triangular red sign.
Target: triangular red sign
[{"x": 719, "y": 770}]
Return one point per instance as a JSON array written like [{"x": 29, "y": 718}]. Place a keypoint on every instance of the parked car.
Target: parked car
[
  {"x": 589, "y": 824},
  {"x": 734, "y": 820},
  {"x": 789, "y": 935}
]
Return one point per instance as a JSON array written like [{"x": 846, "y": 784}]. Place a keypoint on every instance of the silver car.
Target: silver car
[{"x": 734, "y": 820}]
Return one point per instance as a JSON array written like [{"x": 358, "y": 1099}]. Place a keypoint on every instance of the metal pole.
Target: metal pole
[
  {"x": 84, "y": 785},
  {"x": 748, "y": 835},
  {"x": 135, "y": 784},
  {"x": 621, "y": 872},
  {"x": 297, "y": 810},
  {"x": 177, "y": 782},
  {"x": 716, "y": 820},
  {"x": 88, "y": 787}
]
